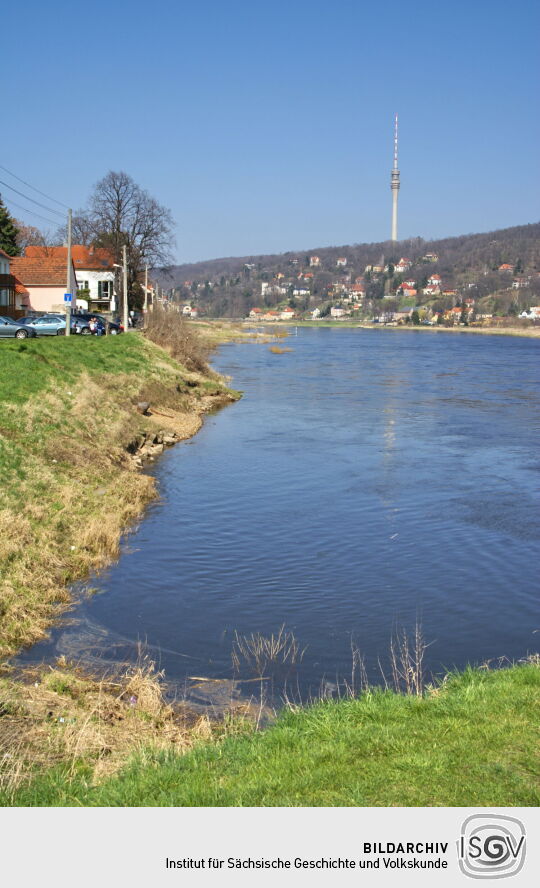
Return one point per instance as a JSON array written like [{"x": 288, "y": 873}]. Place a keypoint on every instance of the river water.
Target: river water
[{"x": 365, "y": 479}]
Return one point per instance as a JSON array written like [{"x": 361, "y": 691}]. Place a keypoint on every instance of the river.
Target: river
[{"x": 366, "y": 479}]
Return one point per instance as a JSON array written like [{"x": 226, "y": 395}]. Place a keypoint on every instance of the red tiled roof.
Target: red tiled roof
[
  {"x": 90, "y": 258},
  {"x": 39, "y": 271}
]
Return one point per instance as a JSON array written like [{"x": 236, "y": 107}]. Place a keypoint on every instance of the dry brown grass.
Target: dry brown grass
[
  {"x": 172, "y": 332},
  {"x": 80, "y": 490},
  {"x": 279, "y": 350},
  {"x": 62, "y": 715}
]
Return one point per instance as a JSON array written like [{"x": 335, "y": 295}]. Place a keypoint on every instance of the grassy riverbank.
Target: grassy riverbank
[
  {"x": 69, "y": 426},
  {"x": 68, "y": 420},
  {"x": 471, "y": 741}
]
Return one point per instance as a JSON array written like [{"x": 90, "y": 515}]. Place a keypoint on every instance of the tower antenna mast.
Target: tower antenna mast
[{"x": 394, "y": 183}]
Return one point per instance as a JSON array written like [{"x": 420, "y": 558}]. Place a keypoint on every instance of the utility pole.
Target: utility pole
[
  {"x": 68, "y": 276},
  {"x": 124, "y": 268},
  {"x": 145, "y": 308}
]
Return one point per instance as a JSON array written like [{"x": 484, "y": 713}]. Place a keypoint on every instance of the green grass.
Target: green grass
[
  {"x": 472, "y": 742},
  {"x": 30, "y": 367}
]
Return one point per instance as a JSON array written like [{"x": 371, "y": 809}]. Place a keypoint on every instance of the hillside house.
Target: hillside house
[
  {"x": 434, "y": 280},
  {"x": 403, "y": 265},
  {"x": 341, "y": 262},
  {"x": 358, "y": 291},
  {"x": 94, "y": 271},
  {"x": 409, "y": 283},
  {"x": 41, "y": 282},
  {"x": 506, "y": 267},
  {"x": 432, "y": 290},
  {"x": 298, "y": 290},
  {"x": 287, "y": 314},
  {"x": 430, "y": 257},
  {"x": 305, "y": 276},
  {"x": 450, "y": 293},
  {"x": 314, "y": 261},
  {"x": 337, "y": 312},
  {"x": 519, "y": 282},
  {"x": 256, "y": 313},
  {"x": 272, "y": 289}
]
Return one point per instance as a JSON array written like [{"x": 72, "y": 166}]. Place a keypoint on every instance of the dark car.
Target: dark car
[
  {"x": 9, "y": 327},
  {"x": 81, "y": 323}
]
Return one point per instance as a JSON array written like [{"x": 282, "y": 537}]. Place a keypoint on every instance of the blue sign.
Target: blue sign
[{"x": 67, "y": 297}]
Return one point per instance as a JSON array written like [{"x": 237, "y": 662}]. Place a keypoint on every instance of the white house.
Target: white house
[
  {"x": 287, "y": 314},
  {"x": 272, "y": 289}
]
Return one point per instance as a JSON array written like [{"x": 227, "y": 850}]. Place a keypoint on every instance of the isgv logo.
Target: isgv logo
[{"x": 491, "y": 846}]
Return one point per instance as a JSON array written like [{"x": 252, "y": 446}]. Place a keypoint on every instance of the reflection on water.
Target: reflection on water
[{"x": 366, "y": 477}]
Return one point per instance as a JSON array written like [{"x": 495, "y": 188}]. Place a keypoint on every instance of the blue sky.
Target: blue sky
[{"x": 269, "y": 128}]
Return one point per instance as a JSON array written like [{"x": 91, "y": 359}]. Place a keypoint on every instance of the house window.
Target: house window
[
  {"x": 82, "y": 285},
  {"x": 105, "y": 289}
]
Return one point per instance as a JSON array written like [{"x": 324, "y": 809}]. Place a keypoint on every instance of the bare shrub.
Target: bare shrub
[
  {"x": 407, "y": 661},
  {"x": 260, "y": 652},
  {"x": 172, "y": 332}
]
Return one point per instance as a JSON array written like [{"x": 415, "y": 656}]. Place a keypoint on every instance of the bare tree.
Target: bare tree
[
  {"x": 29, "y": 235},
  {"x": 122, "y": 213}
]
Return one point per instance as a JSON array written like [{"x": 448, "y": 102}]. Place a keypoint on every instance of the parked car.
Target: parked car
[
  {"x": 81, "y": 322},
  {"x": 9, "y": 327},
  {"x": 46, "y": 325}
]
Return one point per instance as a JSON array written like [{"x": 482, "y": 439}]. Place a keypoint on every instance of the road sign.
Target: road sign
[{"x": 67, "y": 297}]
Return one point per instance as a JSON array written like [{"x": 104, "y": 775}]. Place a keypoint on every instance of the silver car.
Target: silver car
[
  {"x": 46, "y": 325},
  {"x": 9, "y": 327}
]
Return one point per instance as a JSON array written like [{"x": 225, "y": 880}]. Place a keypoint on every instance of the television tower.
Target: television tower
[{"x": 394, "y": 184}]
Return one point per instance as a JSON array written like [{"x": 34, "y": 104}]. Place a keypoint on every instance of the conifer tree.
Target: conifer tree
[{"x": 8, "y": 232}]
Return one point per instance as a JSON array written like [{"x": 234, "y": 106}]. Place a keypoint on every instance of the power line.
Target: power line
[
  {"x": 37, "y": 203},
  {"x": 32, "y": 212},
  {"x": 59, "y": 202}
]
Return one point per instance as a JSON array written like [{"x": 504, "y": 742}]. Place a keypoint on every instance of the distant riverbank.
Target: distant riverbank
[{"x": 530, "y": 332}]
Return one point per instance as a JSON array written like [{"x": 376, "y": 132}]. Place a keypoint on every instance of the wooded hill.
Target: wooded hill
[{"x": 230, "y": 287}]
